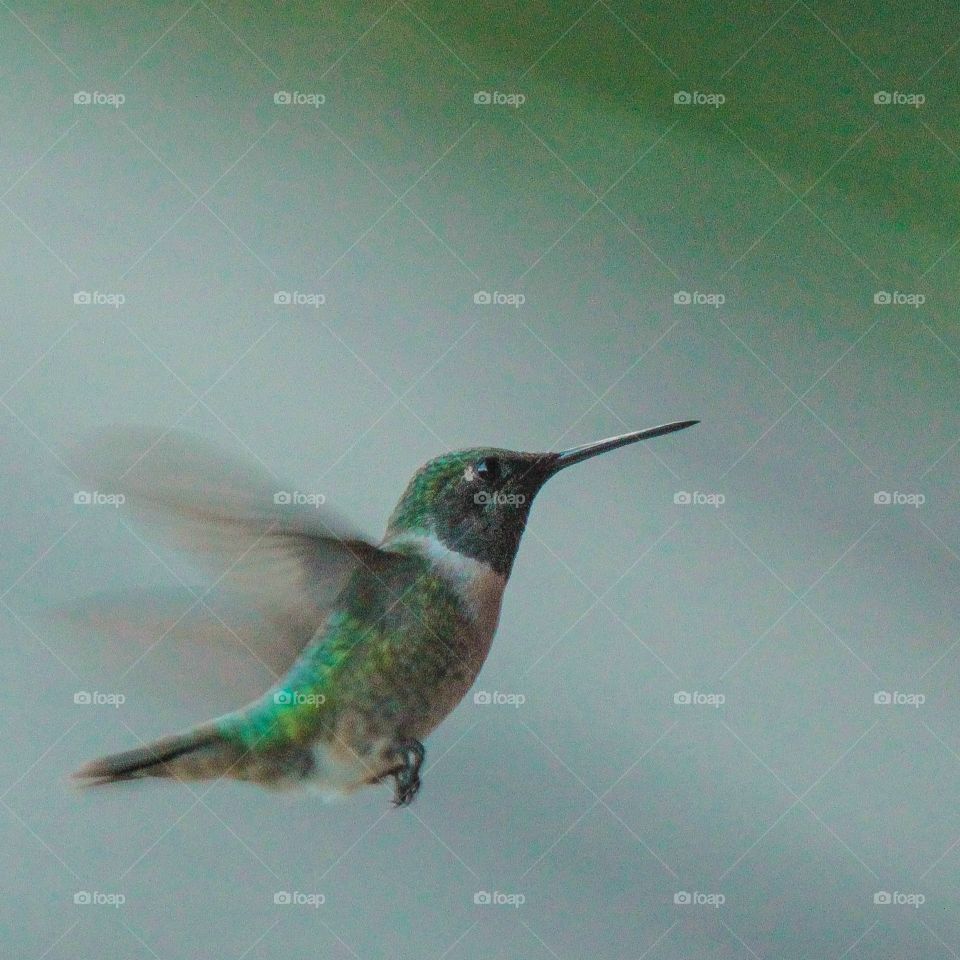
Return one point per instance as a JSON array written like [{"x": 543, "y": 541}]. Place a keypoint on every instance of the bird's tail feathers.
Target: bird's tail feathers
[{"x": 198, "y": 754}]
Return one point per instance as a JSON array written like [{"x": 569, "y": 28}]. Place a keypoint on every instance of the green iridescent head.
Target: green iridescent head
[{"x": 477, "y": 501}]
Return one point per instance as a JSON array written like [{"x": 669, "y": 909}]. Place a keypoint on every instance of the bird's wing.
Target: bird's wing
[{"x": 287, "y": 560}]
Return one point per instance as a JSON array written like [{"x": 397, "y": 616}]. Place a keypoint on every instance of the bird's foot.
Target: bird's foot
[{"x": 406, "y": 777}]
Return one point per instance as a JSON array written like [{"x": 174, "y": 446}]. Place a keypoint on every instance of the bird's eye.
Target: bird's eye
[{"x": 487, "y": 469}]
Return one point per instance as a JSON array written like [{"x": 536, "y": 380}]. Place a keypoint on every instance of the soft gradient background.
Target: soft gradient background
[{"x": 599, "y": 199}]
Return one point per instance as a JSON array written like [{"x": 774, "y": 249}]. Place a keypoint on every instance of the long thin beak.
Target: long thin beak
[{"x": 576, "y": 454}]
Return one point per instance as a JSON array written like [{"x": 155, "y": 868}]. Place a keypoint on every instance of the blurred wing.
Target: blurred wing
[
  {"x": 287, "y": 560},
  {"x": 215, "y": 656}
]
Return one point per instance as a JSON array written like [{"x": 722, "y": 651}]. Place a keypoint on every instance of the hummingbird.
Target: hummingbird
[{"x": 380, "y": 641}]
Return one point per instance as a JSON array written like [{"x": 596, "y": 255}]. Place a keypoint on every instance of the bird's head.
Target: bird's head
[{"x": 476, "y": 502}]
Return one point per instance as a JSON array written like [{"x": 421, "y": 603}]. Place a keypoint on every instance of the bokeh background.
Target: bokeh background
[{"x": 778, "y": 257}]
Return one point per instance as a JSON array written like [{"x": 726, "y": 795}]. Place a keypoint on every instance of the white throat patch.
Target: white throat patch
[{"x": 478, "y": 583}]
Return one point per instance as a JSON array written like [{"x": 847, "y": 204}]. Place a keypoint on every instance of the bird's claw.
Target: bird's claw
[{"x": 406, "y": 778}]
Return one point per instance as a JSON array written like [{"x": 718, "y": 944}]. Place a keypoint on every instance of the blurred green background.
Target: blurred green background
[{"x": 778, "y": 257}]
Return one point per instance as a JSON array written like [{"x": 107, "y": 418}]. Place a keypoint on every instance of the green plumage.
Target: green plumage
[{"x": 393, "y": 639}]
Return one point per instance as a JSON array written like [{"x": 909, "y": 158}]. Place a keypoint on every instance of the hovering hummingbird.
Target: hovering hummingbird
[{"x": 382, "y": 640}]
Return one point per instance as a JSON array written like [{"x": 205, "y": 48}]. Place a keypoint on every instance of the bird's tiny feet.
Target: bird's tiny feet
[{"x": 406, "y": 778}]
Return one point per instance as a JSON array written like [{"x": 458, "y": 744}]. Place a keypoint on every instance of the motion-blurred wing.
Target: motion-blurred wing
[{"x": 286, "y": 559}]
